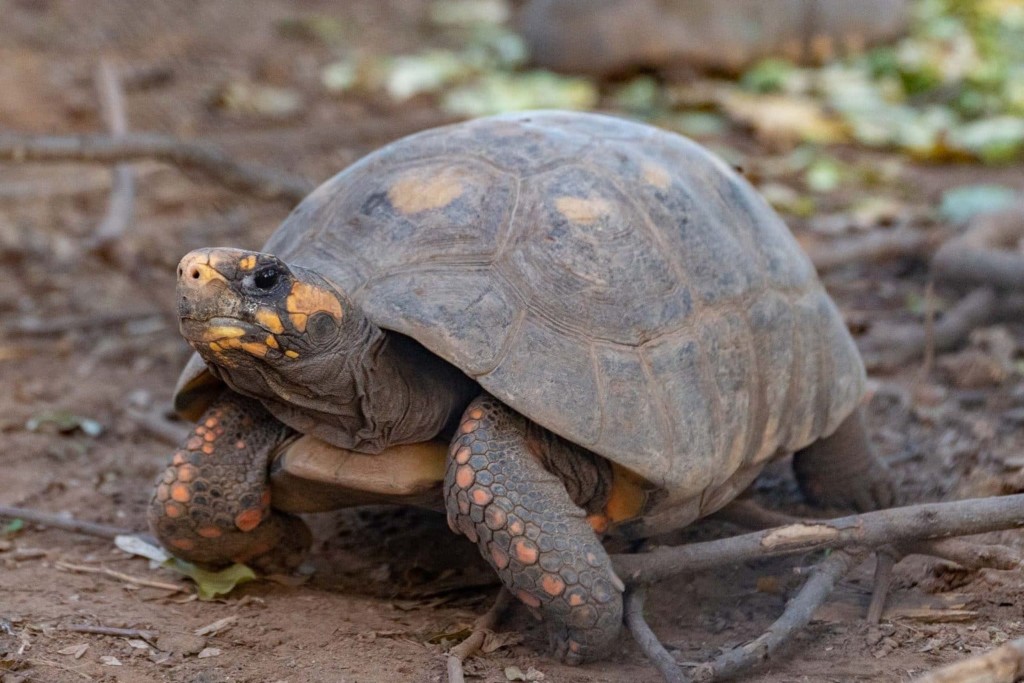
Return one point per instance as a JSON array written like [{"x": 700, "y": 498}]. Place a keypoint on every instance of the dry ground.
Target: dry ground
[{"x": 382, "y": 592}]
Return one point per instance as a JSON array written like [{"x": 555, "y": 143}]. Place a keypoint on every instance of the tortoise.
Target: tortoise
[{"x": 555, "y": 326}]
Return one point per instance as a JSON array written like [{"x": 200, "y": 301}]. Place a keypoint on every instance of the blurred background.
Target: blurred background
[{"x": 882, "y": 130}]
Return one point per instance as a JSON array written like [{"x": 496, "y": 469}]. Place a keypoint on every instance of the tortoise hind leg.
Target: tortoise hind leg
[
  {"x": 843, "y": 470},
  {"x": 500, "y": 495}
]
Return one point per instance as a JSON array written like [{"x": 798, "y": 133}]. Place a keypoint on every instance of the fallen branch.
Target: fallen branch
[
  {"x": 195, "y": 156},
  {"x": 987, "y": 254},
  {"x": 1001, "y": 665},
  {"x": 122, "y": 195},
  {"x": 471, "y": 645},
  {"x": 897, "y": 347},
  {"x": 65, "y": 523},
  {"x": 633, "y": 613},
  {"x": 879, "y": 245},
  {"x": 154, "y": 422},
  {"x": 120, "y": 576},
  {"x": 795, "y": 617},
  {"x": 59, "y": 325},
  {"x": 894, "y": 526}
]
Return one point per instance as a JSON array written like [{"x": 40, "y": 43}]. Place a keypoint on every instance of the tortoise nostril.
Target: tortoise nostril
[
  {"x": 180, "y": 272},
  {"x": 195, "y": 273}
]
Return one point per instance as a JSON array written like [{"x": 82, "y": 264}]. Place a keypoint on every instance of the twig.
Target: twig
[
  {"x": 885, "y": 560},
  {"x": 111, "y": 631},
  {"x": 65, "y": 523},
  {"x": 645, "y": 638},
  {"x": 120, "y": 576},
  {"x": 1001, "y": 665},
  {"x": 122, "y": 196},
  {"x": 967, "y": 555},
  {"x": 105, "y": 149},
  {"x": 875, "y": 246},
  {"x": 468, "y": 647},
  {"x": 797, "y": 615},
  {"x": 894, "y": 526}
]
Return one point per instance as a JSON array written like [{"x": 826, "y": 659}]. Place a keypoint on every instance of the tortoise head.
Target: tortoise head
[{"x": 267, "y": 329}]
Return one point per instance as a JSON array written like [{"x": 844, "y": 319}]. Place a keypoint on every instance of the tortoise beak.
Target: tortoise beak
[{"x": 204, "y": 284}]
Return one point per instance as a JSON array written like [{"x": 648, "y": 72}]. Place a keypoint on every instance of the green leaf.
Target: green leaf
[
  {"x": 994, "y": 140},
  {"x": 961, "y": 204},
  {"x": 210, "y": 584},
  {"x": 63, "y": 422},
  {"x": 12, "y": 527},
  {"x": 769, "y": 75}
]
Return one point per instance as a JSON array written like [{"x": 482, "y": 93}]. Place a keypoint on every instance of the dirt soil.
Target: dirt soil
[{"x": 95, "y": 337}]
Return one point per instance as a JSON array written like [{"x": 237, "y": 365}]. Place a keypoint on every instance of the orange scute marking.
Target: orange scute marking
[
  {"x": 527, "y": 599},
  {"x": 628, "y": 496},
  {"x": 210, "y": 423},
  {"x": 257, "y": 349},
  {"x": 525, "y": 550},
  {"x": 291, "y": 354},
  {"x": 265, "y": 498},
  {"x": 480, "y": 496},
  {"x": 516, "y": 527},
  {"x": 468, "y": 426},
  {"x": 247, "y": 263},
  {"x": 499, "y": 556},
  {"x": 495, "y": 517},
  {"x": 420, "y": 190},
  {"x": 464, "y": 476},
  {"x": 247, "y": 520},
  {"x": 181, "y": 493},
  {"x": 173, "y": 510},
  {"x": 552, "y": 584},
  {"x": 187, "y": 473},
  {"x": 183, "y": 543},
  {"x": 271, "y": 341},
  {"x": 239, "y": 444},
  {"x": 209, "y": 532},
  {"x": 304, "y": 300},
  {"x": 575, "y": 600},
  {"x": 207, "y": 448},
  {"x": 270, "y": 321},
  {"x": 462, "y": 455},
  {"x": 598, "y": 522},
  {"x": 209, "y": 436},
  {"x": 476, "y": 413}
]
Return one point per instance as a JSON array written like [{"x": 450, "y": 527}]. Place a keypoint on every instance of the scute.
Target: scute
[{"x": 617, "y": 284}]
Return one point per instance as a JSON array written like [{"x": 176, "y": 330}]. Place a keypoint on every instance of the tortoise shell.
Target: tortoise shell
[{"x": 615, "y": 283}]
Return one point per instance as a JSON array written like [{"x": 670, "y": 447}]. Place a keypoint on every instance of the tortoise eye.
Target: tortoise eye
[{"x": 266, "y": 279}]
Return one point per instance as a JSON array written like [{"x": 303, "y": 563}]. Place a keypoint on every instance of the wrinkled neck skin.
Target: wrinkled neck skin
[{"x": 373, "y": 390}]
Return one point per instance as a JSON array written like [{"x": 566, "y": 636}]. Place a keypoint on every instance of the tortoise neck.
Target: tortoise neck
[{"x": 384, "y": 389}]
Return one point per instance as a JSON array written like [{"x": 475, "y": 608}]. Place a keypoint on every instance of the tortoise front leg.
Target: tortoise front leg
[
  {"x": 212, "y": 503},
  {"x": 500, "y": 495}
]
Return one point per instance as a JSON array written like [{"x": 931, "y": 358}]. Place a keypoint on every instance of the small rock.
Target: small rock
[
  {"x": 209, "y": 652},
  {"x": 107, "y": 660},
  {"x": 182, "y": 643}
]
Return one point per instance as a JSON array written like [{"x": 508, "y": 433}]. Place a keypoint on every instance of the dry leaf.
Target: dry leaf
[
  {"x": 216, "y": 627},
  {"x": 209, "y": 652},
  {"x": 495, "y": 641},
  {"x": 107, "y": 660},
  {"x": 75, "y": 651}
]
